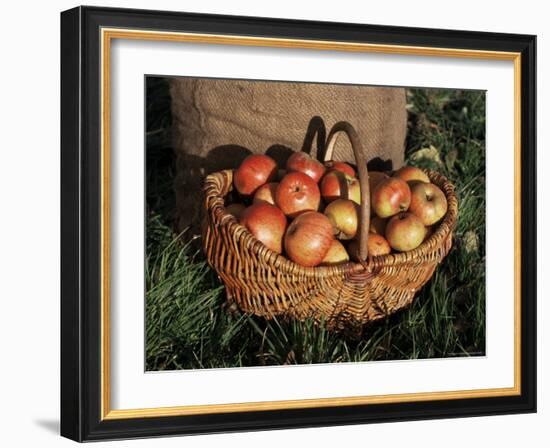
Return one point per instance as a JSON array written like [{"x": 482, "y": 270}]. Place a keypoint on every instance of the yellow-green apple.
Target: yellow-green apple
[
  {"x": 308, "y": 238},
  {"x": 344, "y": 216},
  {"x": 336, "y": 254},
  {"x": 340, "y": 166},
  {"x": 336, "y": 184},
  {"x": 266, "y": 193},
  {"x": 390, "y": 197},
  {"x": 304, "y": 163},
  {"x": 410, "y": 173},
  {"x": 235, "y": 210},
  {"x": 405, "y": 231},
  {"x": 254, "y": 171},
  {"x": 267, "y": 223},
  {"x": 428, "y": 202},
  {"x": 378, "y": 225},
  {"x": 377, "y": 245},
  {"x": 296, "y": 193}
]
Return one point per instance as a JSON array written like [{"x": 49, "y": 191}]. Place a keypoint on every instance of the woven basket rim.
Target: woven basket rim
[{"x": 437, "y": 239}]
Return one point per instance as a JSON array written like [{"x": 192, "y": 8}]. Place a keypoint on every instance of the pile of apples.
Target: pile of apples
[{"x": 310, "y": 210}]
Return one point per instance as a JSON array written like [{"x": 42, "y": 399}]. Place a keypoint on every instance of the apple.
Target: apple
[
  {"x": 254, "y": 171},
  {"x": 336, "y": 184},
  {"x": 344, "y": 216},
  {"x": 340, "y": 166},
  {"x": 378, "y": 225},
  {"x": 405, "y": 231},
  {"x": 410, "y": 173},
  {"x": 235, "y": 210},
  {"x": 375, "y": 177},
  {"x": 304, "y": 163},
  {"x": 308, "y": 238},
  {"x": 390, "y": 197},
  {"x": 296, "y": 193},
  {"x": 266, "y": 193},
  {"x": 336, "y": 254},
  {"x": 378, "y": 245},
  {"x": 428, "y": 202},
  {"x": 267, "y": 223}
]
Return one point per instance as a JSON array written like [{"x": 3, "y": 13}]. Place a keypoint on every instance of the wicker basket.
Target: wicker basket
[{"x": 343, "y": 297}]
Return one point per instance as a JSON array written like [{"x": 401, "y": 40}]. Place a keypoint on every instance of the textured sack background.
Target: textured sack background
[{"x": 217, "y": 123}]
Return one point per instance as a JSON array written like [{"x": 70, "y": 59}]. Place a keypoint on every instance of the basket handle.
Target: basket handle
[{"x": 360, "y": 161}]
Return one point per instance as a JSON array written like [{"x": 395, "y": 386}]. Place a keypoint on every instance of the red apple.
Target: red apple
[
  {"x": 304, "y": 163},
  {"x": 378, "y": 225},
  {"x": 337, "y": 185},
  {"x": 336, "y": 254},
  {"x": 390, "y": 197},
  {"x": 267, "y": 223},
  {"x": 344, "y": 216},
  {"x": 266, "y": 193},
  {"x": 235, "y": 209},
  {"x": 409, "y": 173},
  {"x": 308, "y": 238},
  {"x": 296, "y": 193},
  {"x": 428, "y": 202},
  {"x": 405, "y": 231},
  {"x": 378, "y": 245},
  {"x": 256, "y": 170},
  {"x": 340, "y": 166},
  {"x": 375, "y": 177}
]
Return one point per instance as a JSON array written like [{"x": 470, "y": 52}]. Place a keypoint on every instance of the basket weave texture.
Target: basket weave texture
[{"x": 342, "y": 297}]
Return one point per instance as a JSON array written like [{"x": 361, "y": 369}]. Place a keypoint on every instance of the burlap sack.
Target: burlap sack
[{"x": 217, "y": 123}]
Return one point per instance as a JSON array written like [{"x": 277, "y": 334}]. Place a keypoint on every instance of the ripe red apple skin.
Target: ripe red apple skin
[
  {"x": 304, "y": 163},
  {"x": 344, "y": 216},
  {"x": 375, "y": 177},
  {"x": 296, "y": 193},
  {"x": 428, "y": 202},
  {"x": 377, "y": 245},
  {"x": 308, "y": 239},
  {"x": 235, "y": 210},
  {"x": 378, "y": 225},
  {"x": 254, "y": 171},
  {"x": 337, "y": 185},
  {"x": 390, "y": 197},
  {"x": 340, "y": 166},
  {"x": 267, "y": 223},
  {"x": 405, "y": 232},
  {"x": 336, "y": 254},
  {"x": 410, "y": 173},
  {"x": 266, "y": 193}
]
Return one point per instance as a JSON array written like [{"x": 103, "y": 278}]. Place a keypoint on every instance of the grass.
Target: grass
[{"x": 189, "y": 325}]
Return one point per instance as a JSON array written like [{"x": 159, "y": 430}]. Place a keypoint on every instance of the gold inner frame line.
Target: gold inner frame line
[{"x": 107, "y": 35}]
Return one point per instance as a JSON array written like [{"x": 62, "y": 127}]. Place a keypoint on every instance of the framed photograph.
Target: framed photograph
[{"x": 277, "y": 224}]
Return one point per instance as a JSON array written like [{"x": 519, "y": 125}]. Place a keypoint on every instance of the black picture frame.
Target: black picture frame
[{"x": 81, "y": 224}]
